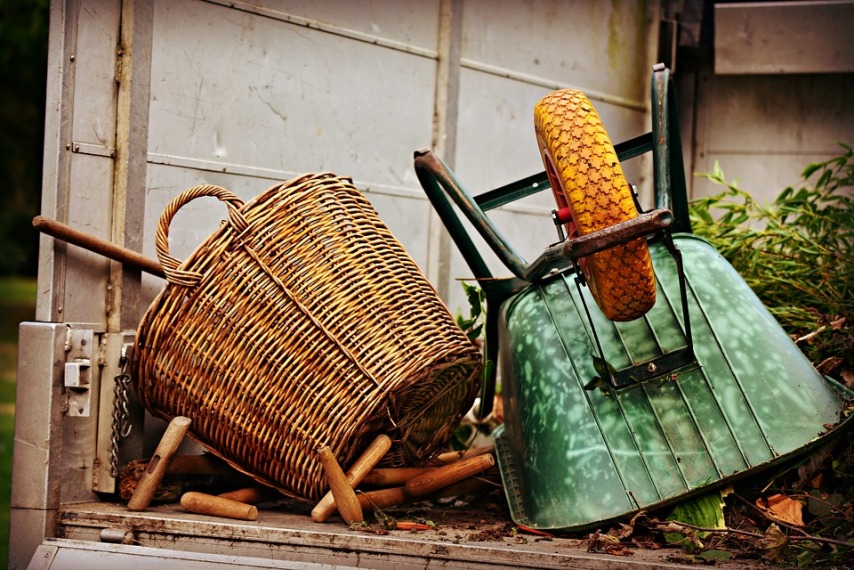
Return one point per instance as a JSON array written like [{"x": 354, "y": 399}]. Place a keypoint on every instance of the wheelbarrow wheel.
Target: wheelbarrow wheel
[{"x": 587, "y": 179}]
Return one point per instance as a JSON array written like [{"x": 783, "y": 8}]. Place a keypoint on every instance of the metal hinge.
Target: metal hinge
[{"x": 79, "y": 348}]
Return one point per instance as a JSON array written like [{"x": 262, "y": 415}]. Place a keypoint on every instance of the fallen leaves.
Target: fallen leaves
[
  {"x": 809, "y": 469},
  {"x": 605, "y": 543},
  {"x": 773, "y": 543},
  {"x": 782, "y": 509},
  {"x": 829, "y": 364}
]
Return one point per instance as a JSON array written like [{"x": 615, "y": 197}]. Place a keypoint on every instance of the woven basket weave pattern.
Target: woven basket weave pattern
[{"x": 302, "y": 322}]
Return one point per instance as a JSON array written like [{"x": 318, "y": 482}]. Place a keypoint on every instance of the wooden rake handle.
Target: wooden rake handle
[{"x": 97, "y": 245}]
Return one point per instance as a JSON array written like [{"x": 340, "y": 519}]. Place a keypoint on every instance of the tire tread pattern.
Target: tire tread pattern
[{"x": 572, "y": 139}]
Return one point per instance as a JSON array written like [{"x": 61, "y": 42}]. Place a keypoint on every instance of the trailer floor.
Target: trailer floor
[{"x": 465, "y": 536}]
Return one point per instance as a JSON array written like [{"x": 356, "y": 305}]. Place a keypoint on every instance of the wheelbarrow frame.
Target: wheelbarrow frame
[
  {"x": 670, "y": 214},
  {"x": 724, "y": 415}
]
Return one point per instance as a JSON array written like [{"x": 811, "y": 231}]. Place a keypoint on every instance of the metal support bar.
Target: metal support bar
[
  {"x": 557, "y": 256},
  {"x": 661, "y": 365}
]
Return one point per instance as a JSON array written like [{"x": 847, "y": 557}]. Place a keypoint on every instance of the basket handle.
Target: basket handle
[{"x": 182, "y": 277}]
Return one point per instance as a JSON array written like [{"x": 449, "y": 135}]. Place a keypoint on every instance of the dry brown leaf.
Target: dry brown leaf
[
  {"x": 837, "y": 324},
  {"x": 622, "y": 532},
  {"x": 773, "y": 543},
  {"x": 808, "y": 469},
  {"x": 827, "y": 365},
  {"x": 782, "y": 509},
  {"x": 848, "y": 377},
  {"x": 607, "y": 544}
]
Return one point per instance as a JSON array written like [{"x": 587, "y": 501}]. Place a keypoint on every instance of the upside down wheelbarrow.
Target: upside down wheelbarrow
[{"x": 625, "y": 392}]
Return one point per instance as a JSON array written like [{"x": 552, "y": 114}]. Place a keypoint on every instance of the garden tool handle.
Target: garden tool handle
[
  {"x": 205, "y": 504},
  {"x": 442, "y": 187},
  {"x": 156, "y": 469},
  {"x": 340, "y": 487},
  {"x": 557, "y": 255},
  {"x": 174, "y": 275},
  {"x": 357, "y": 472},
  {"x": 97, "y": 245},
  {"x": 440, "y": 477},
  {"x": 388, "y": 476}
]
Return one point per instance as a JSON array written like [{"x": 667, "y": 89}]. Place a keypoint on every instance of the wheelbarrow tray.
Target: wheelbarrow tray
[{"x": 571, "y": 457}]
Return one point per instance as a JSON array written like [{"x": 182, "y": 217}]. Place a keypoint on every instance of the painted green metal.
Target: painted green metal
[
  {"x": 669, "y": 170},
  {"x": 571, "y": 458}
]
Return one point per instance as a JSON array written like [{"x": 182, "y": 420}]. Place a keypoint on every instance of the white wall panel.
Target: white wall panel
[
  {"x": 240, "y": 89},
  {"x": 595, "y": 46},
  {"x": 413, "y": 22},
  {"x": 513, "y": 54},
  {"x": 764, "y": 129},
  {"x": 94, "y": 59}
]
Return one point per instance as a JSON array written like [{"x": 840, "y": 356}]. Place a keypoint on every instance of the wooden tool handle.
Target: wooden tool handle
[
  {"x": 204, "y": 504},
  {"x": 339, "y": 486},
  {"x": 97, "y": 245},
  {"x": 250, "y": 495},
  {"x": 396, "y": 496},
  {"x": 390, "y": 476},
  {"x": 444, "y": 476},
  {"x": 451, "y": 456},
  {"x": 369, "y": 458},
  {"x": 382, "y": 498},
  {"x": 169, "y": 443}
]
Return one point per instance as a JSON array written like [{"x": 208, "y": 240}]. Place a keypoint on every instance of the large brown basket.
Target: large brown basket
[{"x": 302, "y": 322}]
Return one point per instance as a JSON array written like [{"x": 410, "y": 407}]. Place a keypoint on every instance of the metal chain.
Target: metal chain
[{"x": 121, "y": 427}]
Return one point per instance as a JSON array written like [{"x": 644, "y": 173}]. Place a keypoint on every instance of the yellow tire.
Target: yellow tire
[{"x": 586, "y": 177}]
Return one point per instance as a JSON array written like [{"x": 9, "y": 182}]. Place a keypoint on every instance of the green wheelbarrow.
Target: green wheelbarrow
[{"x": 605, "y": 417}]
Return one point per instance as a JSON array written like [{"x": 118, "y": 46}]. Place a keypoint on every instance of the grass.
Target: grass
[{"x": 17, "y": 303}]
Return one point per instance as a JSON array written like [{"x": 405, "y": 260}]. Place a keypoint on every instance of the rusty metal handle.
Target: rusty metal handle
[
  {"x": 557, "y": 256},
  {"x": 97, "y": 245}
]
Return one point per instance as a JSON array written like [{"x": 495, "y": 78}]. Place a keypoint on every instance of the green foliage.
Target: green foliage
[
  {"x": 705, "y": 511},
  {"x": 796, "y": 253},
  {"x": 17, "y": 303},
  {"x": 473, "y": 324},
  {"x": 23, "y": 74}
]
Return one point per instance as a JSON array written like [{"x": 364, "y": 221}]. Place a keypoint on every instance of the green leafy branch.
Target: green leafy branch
[
  {"x": 796, "y": 252},
  {"x": 473, "y": 324}
]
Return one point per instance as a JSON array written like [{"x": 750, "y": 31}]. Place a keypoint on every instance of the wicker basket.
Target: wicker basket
[{"x": 302, "y": 322}]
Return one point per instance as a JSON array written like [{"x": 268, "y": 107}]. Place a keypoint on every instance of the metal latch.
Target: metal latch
[{"x": 79, "y": 344}]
